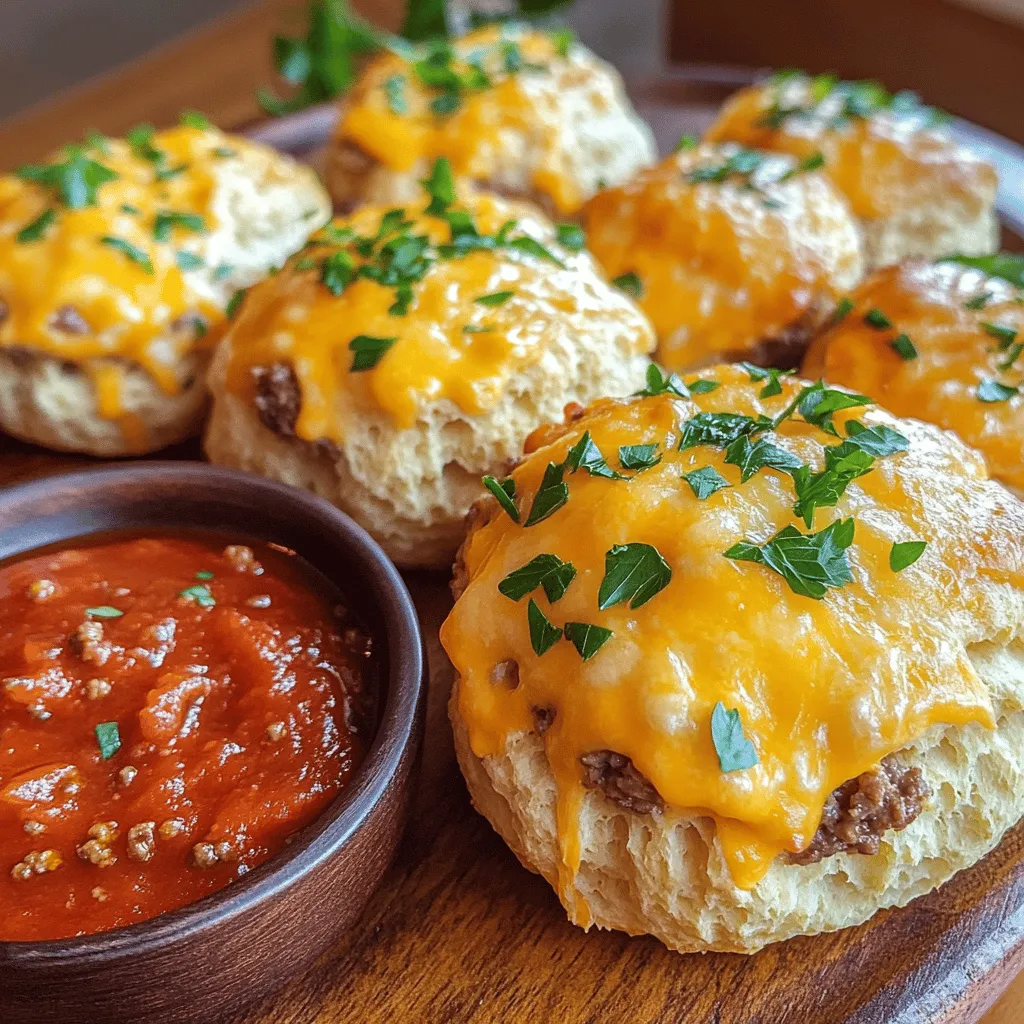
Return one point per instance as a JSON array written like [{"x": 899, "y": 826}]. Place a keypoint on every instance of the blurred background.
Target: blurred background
[{"x": 963, "y": 55}]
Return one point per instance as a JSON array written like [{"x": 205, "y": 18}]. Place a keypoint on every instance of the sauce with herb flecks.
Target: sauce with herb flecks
[{"x": 172, "y": 709}]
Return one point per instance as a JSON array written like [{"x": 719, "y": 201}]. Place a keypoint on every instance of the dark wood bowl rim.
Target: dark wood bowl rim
[{"x": 346, "y": 814}]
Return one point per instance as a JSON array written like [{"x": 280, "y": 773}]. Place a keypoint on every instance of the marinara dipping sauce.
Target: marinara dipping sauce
[{"x": 172, "y": 709}]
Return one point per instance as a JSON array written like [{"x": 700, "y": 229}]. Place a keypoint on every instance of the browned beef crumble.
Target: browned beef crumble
[
  {"x": 616, "y": 777},
  {"x": 542, "y": 719},
  {"x": 573, "y": 411},
  {"x": 70, "y": 321},
  {"x": 862, "y": 810},
  {"x": 278, "y": 397},
  {"x": 785, "y": 351}
]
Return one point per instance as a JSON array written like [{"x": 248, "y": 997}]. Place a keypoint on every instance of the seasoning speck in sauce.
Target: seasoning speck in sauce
[{"x": 172, "y": 710}]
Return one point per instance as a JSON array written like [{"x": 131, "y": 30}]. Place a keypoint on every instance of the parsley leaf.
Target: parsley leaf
[
  {"x": 368, "y": 351},
  {"x": 1007, "y": 265},
  {"x": 200, "y": 593},
  {"x": 74, "y": 180},
  {"x": 817, "y": 404},
  {"x": 531, "y": 247},
  {"x": 824, "y": 489},
  {"x": 906, "y": 553},
  {"x": 194, "y": 119},
  {"x": 188, "y": 260},
  {"x": 572, "y": 237},
  {"x": 978, "y": 301},
  {"x": 587, "y": 638},
  {"x": 167, "y": 219},
  {"x": 760, "y": 454},
  {"x": 719, "y": 429},
  {"x": 552, "y": 494},
  {"x": 843, "y": 309},
  {"x": 133, "y": 252},
  {"x": 108, "y": 738},
  {"x": 585, "y": 454},
  {"x": 705, "y": 481},
  {"x": 394, "y": 92},
  {"x": 630, "y": 283},
  {"x": 547, "y": 571},
  {"x": 769, "y": 374},
  {"x": 735, "y": 752},
  {"x": 234, "y": 303},
  {"x": 104, "y": 611},
  {"x": 504, "y": 491},
  {"x": 634, "y": 573},
  {"x": 877, "y": 319},
  {"x": 877, "y": 440},
  {"x": 991, "y": 391},
  {"x": 638, "y": 456},
  {"x": 543, "y": 635},
  {"x": 904, "y": 348},
  {"x": 440, "y": 186},
  {"x": 1004, "y": 335},
  {"x": 494, "y": 299},
  {"x": 659, "y": 384},
  {"x": 810, "y": 563},
  {"x": 35, "y": 229}
]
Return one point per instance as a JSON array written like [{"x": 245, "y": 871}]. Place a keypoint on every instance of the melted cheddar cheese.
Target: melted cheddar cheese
[
  {"x": 727, "y": 264},
  {"x": 447, "y": 346},
  {"x": 510, "y": 102},
  {"x": 825, "y": 688},
  {"x": 961, "y": 325},
  {"x": 96, "y": 287},
  {"x": 880, "y": 151}
]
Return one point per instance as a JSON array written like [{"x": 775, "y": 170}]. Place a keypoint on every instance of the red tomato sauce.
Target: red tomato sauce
[{"x": 172, "y": 709}]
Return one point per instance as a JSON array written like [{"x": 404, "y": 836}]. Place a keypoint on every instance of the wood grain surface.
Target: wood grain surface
[{"x": 460, "y": 932}]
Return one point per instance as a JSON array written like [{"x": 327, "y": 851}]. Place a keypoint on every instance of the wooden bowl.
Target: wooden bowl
[{"x": 212, "y": 958}]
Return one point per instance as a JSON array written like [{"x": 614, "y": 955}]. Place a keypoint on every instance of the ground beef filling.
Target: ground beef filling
[
  {"x": 616, "y": 777},
  {"x": 861, "y": 811},
  {"x": 856, "y": 815},
  {"x": 278, "y": 397}
]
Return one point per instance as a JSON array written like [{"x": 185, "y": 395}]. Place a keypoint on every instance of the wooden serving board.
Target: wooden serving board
[{"x": 460, "y": 932}]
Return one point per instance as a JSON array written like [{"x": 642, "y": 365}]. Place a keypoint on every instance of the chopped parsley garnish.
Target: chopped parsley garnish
[
  {"x": 843, "y": 309},
  {"x": 817, "y": 404},
  {"x": 204, "y": 574},
  {"x": 630, "y": 283},
  {"x": 660, "y": 384},
  {"x": 34, "y": 230},
  {"x": 878, "y": 440},
  {"x": 1013, "y": 353},
  {"x": 128, "y": 208},
  {"x": 200, "y": 594},
  {"x": 550, "y": 497},
  {"x": 504, "y": 491},
  {"x": 108, "y": 738},
  {"x": 809, "y": 562},
  {"x": 104, "y": 611},
  {"x": 133, "y": 252},
  {"x": 686, "y": 142},
  {"x": 547, "y": 571},
  {"x": 991, "y": 391},
  {"x": 979, "y": 301},
  {"x": 702, "y": 386},
  {"x": 752, "y": 456},
  {"x": 166, "y": 220},
  {"x": 73, "y": 180},
  {"x": 223, "y": 270},
  {"x": 494, "y": 299},
  {"x": 877, "y": 319},
  {"x": 562, "y": 39},
  {"x": 771, "y": 376},
  {"x": 843, "y": 464},
  {"x": 572, "y": 236},
  {"x": 1007, "y": 265},
  {"x": 705, "y": 481},
  {"x": 530, "y": 246},
  {"x": 543, "y": 635},
  {"x": 638, "y": 456},
  {"x": 735, "y": 752},
  {"x": 719, "y": 429},
  {"x": 166, "y": 173},
  {"x": 234, "y": 303},
  {"x": 585, "y": 454},
  {"x": 906, "y": 553},
  {"x": 394, "y": 91},
  {"x": 440, "y": 187},
  {"x": 368, "y": 351},
  {"x": 194, "y": 119},
  {"x": 188, "y": 260},
  {"x": 743, "y": 162},
  {"x": 1004, "y": 335},
  {"x": 904, "y": 348},
  {"x": 140, "y": 139},
  {"x": 587, "y": 638},
  {"x": 634, "y": 573}
]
